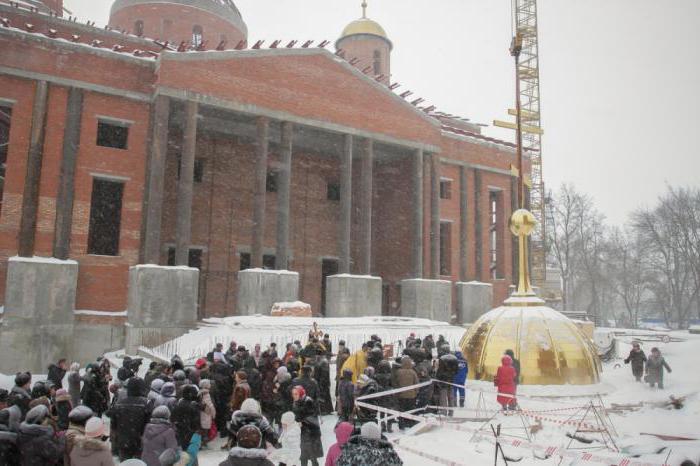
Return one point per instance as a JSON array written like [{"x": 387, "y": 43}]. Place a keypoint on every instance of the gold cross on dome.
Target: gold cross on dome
[{"x": 364, "y": 8}]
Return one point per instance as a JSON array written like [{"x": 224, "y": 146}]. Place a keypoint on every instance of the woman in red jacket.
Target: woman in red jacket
[{"x": 505, "y": 382}]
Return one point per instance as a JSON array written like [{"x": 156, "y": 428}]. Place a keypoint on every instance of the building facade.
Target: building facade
[{"x": 166, "y": 139}]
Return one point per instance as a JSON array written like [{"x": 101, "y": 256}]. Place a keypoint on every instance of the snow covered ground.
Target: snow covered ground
[{"x": 617, "y": 387}]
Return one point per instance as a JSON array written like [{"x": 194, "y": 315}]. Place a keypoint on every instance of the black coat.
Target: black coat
[
  {"x": 310, "y": 387},
  {"x": 39, "y": 446},
  {"x": 305, "y": 413},
  {"x": 186, "y": 419},
  {"x": 129, "y": 417},
  {"x": 56, "y": 375},
  {"x": 368, "y": 452},
  {"x": 637, "y": 358},
  {"x": 9, "y": 452},
  {"x": 92, "y": 393},
  {"x": 447, "y": 368},
  {"x": 20, "y": 397}
]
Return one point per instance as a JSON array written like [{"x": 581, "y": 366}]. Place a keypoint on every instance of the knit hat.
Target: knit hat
[
  {"x": 136, "y": 387},
  {"x": 249, "y": 437},
  {"x": 218, "y": 356},
  {"x": 161, "y": 412},
  {"x": 190, "y": 393},
  {"x": 22, "y": 378},
  {"x": 179, "y": 375},
  {"x": 288, "y": 418},
  {"x": 371, "y": 430},
  {"x": 37, "y": 414},
  {"x": 250, "y": 406},
  {"x": 80, "y": 415},
  {"x": 205, "y": 384},
  {"x": 94, "y": 428},
  {"x": 200, "y": 363},
  {"x": 157, "y": 384}
]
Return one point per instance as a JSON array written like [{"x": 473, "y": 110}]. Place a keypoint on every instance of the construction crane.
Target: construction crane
[{"x": 525, "y": 49}]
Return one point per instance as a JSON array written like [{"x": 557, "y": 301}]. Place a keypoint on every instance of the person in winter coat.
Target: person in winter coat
[
  {"x": 185, "y": 416},
  {"x": 655, "y": 368},
  {"x": 37, "y": 442},
  {"x": 9, "y": 452},
  {"x": 254, "y": 377},
  {"x": 505, "y": 383},
  {"x": 63, "y": 408},
  {"x": 283, "y": 391},
  {"x": 241, "y": 391},
  {"x": 384, "y": 377},
  {"x": 516, "y": 365},
  {"x": 290, "y": 439},
  {"x": 249, "y": 451},
  {"x": 77, "y": 419},
  {"x": 448, "y": 366},
  {"x": 346, "y": 396},
  {"x": 322, "y": 375},
  {"x": 343, "y": 355},
  {"x": 310, "y": 385},
  {"x": 250, "y": 414},
  {"x": 637, "y": 358},
  {"x": 129, "y": 418},
  {"x": 305, "y": 413},
  {"x": 425, "y": 393},
  {"x": 208, "y": 411},
  {"x": 19, "y": 394},
  {"x": 158, "y": 436},
  {"x": 267, "y": 394},
  {"x": 166, "y": 397},
  {"x": 92, "y": 450},
  {"x": 57, "y": 372},
  {"x": 154, "y": 392},
  {"x": 460, "y": 378},
  {"x": 405, "y": 377},
  {"x": 366, "y": 386},
  {"x": 74, "y": 380},
  {"x": 181, "y": 381},
  {"x": 92, "y": 393},
  {"x": 368, "y": 449},
  {"x": 343, "y": 432}
]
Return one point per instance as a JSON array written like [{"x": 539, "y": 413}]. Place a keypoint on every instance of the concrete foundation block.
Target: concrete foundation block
[
  {"x": 37, "y": 326},
  {"x": 162, "y": 304},
  {"x": 96, "y": 339},
  {"x": 474, "y": 299},
  {"x": 259, "y": 290},
  {"x": 353, "y": 296},
  {"x": 427, "y": 299}
]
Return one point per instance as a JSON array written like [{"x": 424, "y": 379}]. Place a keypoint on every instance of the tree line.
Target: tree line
[{"x": 649, "y": 267}]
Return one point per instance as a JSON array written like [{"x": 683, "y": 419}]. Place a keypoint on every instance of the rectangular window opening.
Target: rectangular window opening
[
  {"x": 199, "y": 163},
  {"x": 446, "y": 248},
  {"x": 194, "y": 260},
  {"x": 269, "y": 261},
  {"x": 110, "y": 134},
  {"x": 105, "y": 217},
  {"x": 5, "y": 123},
  {"x": 333, "y": 191},
  {"x": 495, "y": 235},
  {"x": 272, "y": 181},
  {"x": 445, "y": 189}
]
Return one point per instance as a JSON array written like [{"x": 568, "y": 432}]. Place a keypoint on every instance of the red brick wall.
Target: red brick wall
[{"x": 363, "y": 47}]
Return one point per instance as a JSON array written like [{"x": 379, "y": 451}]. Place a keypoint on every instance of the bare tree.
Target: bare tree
[{"x": 629, "y": 271}]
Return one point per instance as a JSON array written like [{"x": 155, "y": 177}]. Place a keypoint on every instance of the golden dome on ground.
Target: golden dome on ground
[{"x": 551, "y": 348}]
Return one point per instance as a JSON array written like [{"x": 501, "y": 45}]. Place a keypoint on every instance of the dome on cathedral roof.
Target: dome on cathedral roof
[{"x": 364, "y": 26}]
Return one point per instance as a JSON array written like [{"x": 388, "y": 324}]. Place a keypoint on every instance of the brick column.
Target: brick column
[
  {"x": 463, "y": 224},
  {"x": 434, "y": 216},
  {"x": 345, "y": 204},
  {"x": 261, "y": 149},
  {"x": 32, "y": 179},
  {"x": 366, "y": 193},
  {"x": 66, "y": 186},
  {"x": 514, "y": 239},
  {"x": 283, "y": 196},
  {"x": 478, "y": 228},
  {"x": 418, "y": 214},
  {"x": 185, "y": 186},
  {"x": 156, "y": 180}
]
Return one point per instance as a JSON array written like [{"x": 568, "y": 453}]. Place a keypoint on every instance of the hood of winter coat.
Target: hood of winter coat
[
  {"x": 250, "y": 453},
  {"x": 7, "y": 436},
  {"x": 89, "y": 446},
  {"x": 168, "y": 389},
  {"x": 459, "y": 355},
  {"x": 157, "y": 384},
  {"x": 156, "y": 428},
  {"x": 506, "y": 361},
  {"x": 242, "y": 418},
  {"x": 35, "y": 430},
  {"x": 360, "y": 443},
  {"x": 343, "y": 433}
]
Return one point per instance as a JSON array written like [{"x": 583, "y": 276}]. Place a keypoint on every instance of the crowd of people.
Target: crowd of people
[{"x": 267, "y": 404}]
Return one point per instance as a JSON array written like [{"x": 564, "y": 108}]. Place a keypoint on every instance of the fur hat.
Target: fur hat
[
  {"x": 80, "y": 415},
  {"x": 249, "y": 437},
  {"x": 250, "y": 406},
  {"x": 37, "y": 414},
  {"x": 371, "y": 430},
  {"x": 94, "y": 428}
]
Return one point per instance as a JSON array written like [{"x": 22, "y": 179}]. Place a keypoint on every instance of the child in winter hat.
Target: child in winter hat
[{"x": 290, "y": 439}]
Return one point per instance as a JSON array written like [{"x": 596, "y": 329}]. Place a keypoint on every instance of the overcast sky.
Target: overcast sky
[{"x": 620, "y": 79}]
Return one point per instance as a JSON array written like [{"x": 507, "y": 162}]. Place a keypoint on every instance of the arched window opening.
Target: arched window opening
[
  {"x": 377, "y": 62},
  {"x": 138, "y": 28},
  {"x": 197, "y": 35}
]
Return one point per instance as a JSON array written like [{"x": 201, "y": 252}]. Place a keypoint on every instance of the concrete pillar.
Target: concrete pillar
[
  {"x": 463, "y": 225},
  {"x": 37, "y": 326},
  {"x": 346, "y": 205},
  {"x": 258, "y": 290},
  {"x": 66, "y": 183},
  {"x": 427, "y": 299},
  {"x": 260, "y": 181},
  {"x": 417, "y": 245},
  {"x": 283, "y": 197},
  {"x": 366, "y": 192},
  {"x": 162, "y": 304},
  {"x": 474, "y": 299},
  {"x": 353, "y": 296},
  {"x": 156, "y": 180},
  {"x": 434, "y": 216},
  {"x": 32, "y": 179},
  {"x": 185, "y": 186},
  {"x": 478, "y": 227}
]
